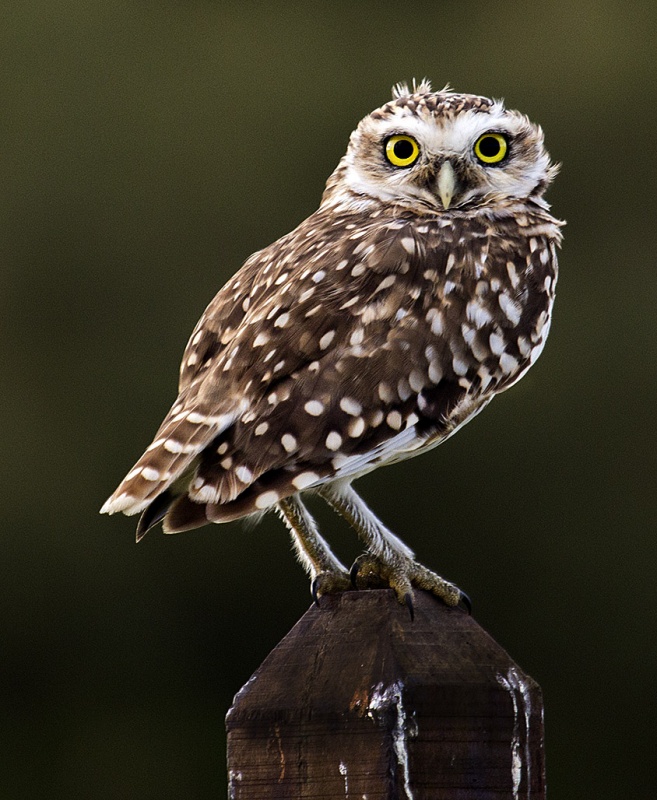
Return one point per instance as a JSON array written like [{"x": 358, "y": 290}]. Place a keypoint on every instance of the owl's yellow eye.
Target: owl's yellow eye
[
  {"x": 402, "y": 151},
  {"x": 491, "y": 148}
]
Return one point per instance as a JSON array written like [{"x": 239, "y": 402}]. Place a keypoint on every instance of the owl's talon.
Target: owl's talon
[
  {"x": 329, "y": 582},
  {"x": 353, "y": 573},
  {"x": 314, "y": 591},
  {"x": 408, "y": 599},
  {"x": 466, "y": 602},
  {"x": 370, "y": 572}
]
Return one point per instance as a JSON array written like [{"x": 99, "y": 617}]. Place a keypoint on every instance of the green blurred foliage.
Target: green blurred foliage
[{"x": 147, "y": 149}]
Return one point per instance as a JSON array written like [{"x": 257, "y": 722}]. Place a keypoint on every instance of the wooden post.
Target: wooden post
[{"x": 360, "y": 702}]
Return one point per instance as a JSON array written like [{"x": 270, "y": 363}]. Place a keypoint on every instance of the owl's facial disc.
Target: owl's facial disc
[{"x": 441, "y": 152}]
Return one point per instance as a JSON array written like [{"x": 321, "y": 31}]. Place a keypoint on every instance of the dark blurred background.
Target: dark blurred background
[{"x": 147, "y": 148}]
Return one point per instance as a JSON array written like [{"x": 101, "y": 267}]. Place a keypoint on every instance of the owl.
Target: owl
[{"x": 420, "y": 289}]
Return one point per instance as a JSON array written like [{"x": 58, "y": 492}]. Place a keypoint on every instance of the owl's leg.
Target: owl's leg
[
  {"x": 388, "y": 560},
  {"x": 327, "y": 573}
]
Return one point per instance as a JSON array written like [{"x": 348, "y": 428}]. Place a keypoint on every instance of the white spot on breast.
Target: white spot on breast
[
  {"x": 282, "y": 320},
  {"x": 468, "y": 334},
  {"x": 260, "y": 339},
  {"x": 508, "y": 364},
  {"x": 386, "y": 283},
  {"x": 266, "y": 499},
  {"x": 449, "y": 266},
  {"x": 459, "y": 366},
  {"x": 408, "y": 244},
  {"x": 416, "y": 380},
  {"x": 497, "y": 344},
  {"x": 244, "y": 474},
  {"x": 357, "y": 337},
  {"x": 350, "y": 406},
  {"x": 478, "y": 314},
  {"x": 326, "y": 340},
  {"x": 350, "y": 302},
  {"x": 385, "y": 392},
  {"x": 356, "y": 427},
  {"x": 289, "y": 442},
  {"x": 512, "y": 273},
  {"x": 333, "y": 441},
  {"x": 478, "y": 349},
  {"x": 359, "y": 269},
  {"x": 524, "y": 346},
  {"x": 262, "y": 429},
  {"x": 435, "y": 372},
  {"x": 435, "y": 318},
  {"x": 511, "y": 309},
  {"x": 403, "y": 389},
  {"x": 376, "y": 419},
  {"x": 309, "y": 292},
  {"x": 394, "y": 420},
  {"x": 313, "y": 311},
  {"x": 314, "y": 408},
  {"x": 318, "y": 276},
  {"x": 226, "y": 463},
  {"x": 304, "y": 479}
]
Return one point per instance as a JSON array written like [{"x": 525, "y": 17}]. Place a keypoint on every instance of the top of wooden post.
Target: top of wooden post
[{"x": 358, "y": 695}]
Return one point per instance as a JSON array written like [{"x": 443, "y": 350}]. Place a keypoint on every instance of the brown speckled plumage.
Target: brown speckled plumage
[{"x": 368, "y": 334}]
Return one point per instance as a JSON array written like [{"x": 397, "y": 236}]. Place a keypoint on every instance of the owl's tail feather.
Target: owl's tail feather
[
  {"x": 186, "y": 512},
  {"x": 155, "y": 513},
  {"x": 181, "y": 437}
]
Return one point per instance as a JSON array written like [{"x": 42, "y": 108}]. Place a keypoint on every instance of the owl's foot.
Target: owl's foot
[
  {"x": 370, "y": 572},
  {"x": 329, "y": 582}
]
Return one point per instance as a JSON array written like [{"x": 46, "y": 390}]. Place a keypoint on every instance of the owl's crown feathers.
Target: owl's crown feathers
[
  {"x": 441, "y": 151},
  {"x": 423, "y": 87}
]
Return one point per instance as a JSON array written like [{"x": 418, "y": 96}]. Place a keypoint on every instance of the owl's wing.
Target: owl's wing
[{"x": 342, "y": 352}]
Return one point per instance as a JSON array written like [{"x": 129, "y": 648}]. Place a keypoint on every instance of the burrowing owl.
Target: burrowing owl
[{"x": 421, "y": 288}]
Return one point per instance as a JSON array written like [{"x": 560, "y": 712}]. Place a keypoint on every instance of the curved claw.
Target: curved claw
[
  {"x": 408, "y": 599},
  {"x": 353, "y": 574},
  {"x": 465, "y": 600},
  {"x": 314, "y": 591}
]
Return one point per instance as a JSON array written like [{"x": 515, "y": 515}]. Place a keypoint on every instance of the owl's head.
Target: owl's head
[{"x": 439, "y": 150}]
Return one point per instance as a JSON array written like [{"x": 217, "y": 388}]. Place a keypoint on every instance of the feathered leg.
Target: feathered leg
[{"x": 326, "y": 572}]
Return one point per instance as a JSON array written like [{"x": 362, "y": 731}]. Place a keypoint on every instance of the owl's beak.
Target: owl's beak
[{"x": 446, "y": 184}]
